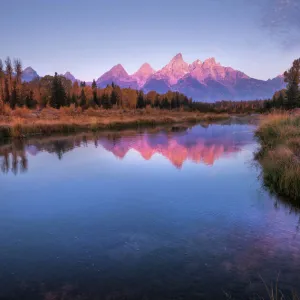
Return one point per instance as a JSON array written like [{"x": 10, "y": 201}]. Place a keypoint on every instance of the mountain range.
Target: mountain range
[{"x": 203, "y": 81}]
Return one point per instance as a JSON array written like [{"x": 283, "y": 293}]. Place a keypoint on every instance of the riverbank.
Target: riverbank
[
  {"x": 23, "y": 122},
  {"x": 279, "y": 156}
]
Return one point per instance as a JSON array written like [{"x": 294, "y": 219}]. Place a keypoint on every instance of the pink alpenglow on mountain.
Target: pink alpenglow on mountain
[
  {"x": 119, "y": 76},
  {"x": 203, "y": 81},
  {"x": 174, "y": 70},
  {"x": 143, "y": 74},
  {"x": 212, "y": 70}
]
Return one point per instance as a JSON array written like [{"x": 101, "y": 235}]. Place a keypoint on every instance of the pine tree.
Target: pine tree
[
  {"x": 29, "y": 100},
  {"x": 6, "y": 90},
  {"x": 140, "y": 100},
  {"x": 8, "y": 79},
  {"x": 14, "y": 96},
  {"x": 18, "y": 70},
  {"x": 94, "y": 84},
  {"x": 156, "y": 101},
  {"x": 165, "y": 103},
  {"x": 58, "y": 93},
  {"x": 82, "y": 98},
  {"x": 106, "y": 101},
  {"x": 16, "y": 92},
  {"x": 1, "y": 82},
  {"x": 95, "y": 100},
  {"x": 113, "y": 97},
  {"x": 292, "y": 78}
]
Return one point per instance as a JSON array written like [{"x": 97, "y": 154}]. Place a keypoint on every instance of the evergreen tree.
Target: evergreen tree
[
  {"x": 156, "y": 101},
  {"x": 95, "y": 100},
  {"x": 165, "y": 103},
  {"x": 173, "y": 103},
  {"x": 113, "y": 97},
  {"x": 1, "y": 82},
  {"x": 94, "y": 84},
  {"x": 6, "y": 90},
  {"x": 82, "y": 84},
  {"x": 29, "y": 100},
  {"x": 8, "y": 79},
  {"x": 73, "y": 99},
  {"x": 140, "y": 100},
  {"x": 18, "y": 70},
  {"x": 58, "y": 93},
  {"x": 292, "y": 78},
  {"x": 106, "y": 101},
  {"x": 82, "y": 98},
  {"x": 14, "y": 96}
]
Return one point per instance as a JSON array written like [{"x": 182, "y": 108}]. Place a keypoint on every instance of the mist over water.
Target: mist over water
[{"x": 176, "y": 213}]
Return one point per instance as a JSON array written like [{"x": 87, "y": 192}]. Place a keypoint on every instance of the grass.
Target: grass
[
  {"x": 279, "y": 136},
  {"x": 23, "y": 122}
]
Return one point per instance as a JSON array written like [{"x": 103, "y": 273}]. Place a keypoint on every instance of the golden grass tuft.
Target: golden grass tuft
[{"x": 279, "y": 135}]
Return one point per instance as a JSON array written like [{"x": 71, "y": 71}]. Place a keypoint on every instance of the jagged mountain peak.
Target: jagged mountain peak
[
  {"x": 195, "y": 64},
  {"x": 211, "y": 62},
  {"x": 174, "y": 70},
  {"x": 178, "y": 56}
]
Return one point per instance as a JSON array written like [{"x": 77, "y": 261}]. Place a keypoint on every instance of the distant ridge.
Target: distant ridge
[{"x": 203, "y": 81}]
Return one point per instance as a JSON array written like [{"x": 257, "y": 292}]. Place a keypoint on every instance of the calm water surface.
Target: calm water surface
[{"x": 158, "y": 214}]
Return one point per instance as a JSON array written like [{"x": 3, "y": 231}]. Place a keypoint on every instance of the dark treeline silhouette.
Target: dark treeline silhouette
[{"x": 231, "y": 107}]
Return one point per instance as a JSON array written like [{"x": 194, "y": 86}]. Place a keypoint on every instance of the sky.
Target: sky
[{"x": 87, "y": 38}]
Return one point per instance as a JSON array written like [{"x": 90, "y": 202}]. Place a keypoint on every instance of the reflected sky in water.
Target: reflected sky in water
[{"x": 160, "y": 214}]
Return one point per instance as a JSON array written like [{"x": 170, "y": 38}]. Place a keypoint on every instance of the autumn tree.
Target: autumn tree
[
  {"x": 1, "y": 83},
  {"x": 119, "y": 95},
  {"x": 151, "y": 97},
  {"x": 8, "y": 80},
  {"x": 16, "y": 85}
]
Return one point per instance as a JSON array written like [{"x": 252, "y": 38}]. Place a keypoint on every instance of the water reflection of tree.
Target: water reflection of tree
[{"x": 13, "y": 158}]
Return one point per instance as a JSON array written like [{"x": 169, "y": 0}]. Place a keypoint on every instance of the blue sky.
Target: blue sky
[{"x": 258, "y": 37}]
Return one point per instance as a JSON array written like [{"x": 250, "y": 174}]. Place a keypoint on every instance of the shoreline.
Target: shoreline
[{"x": 24, "y": 123}]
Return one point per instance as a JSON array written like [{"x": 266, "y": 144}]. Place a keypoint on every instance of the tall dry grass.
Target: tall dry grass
[
  {"x": 23, "y": 122},
  {"x": 279, "y": 135}
]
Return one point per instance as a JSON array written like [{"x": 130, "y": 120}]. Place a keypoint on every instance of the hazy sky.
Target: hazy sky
[{"x": 258, "y": 37}]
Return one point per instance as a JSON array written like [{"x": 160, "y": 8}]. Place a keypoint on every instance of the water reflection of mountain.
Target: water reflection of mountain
[{"x": 197, "y": 144}]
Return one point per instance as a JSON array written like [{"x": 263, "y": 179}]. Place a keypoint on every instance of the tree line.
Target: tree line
[{"x": 57, "y": 91}]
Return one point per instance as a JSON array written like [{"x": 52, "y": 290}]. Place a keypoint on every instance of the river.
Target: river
[{"x": 163, "y": 213}]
